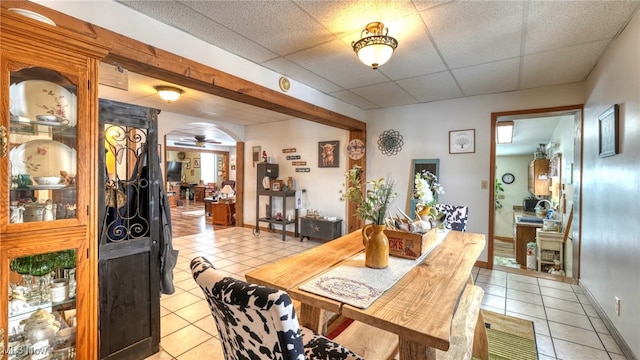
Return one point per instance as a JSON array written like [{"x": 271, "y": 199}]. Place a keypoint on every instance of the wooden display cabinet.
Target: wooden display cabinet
[{"x": 44, "y": 137}]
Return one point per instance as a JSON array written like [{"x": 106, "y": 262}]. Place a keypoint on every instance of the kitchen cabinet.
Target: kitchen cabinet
[
  {"x": 48, "y": 77},
  {"x": 539, "y": 177}
]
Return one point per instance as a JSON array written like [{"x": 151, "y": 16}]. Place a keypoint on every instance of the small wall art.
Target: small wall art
[
  {"x": 327, "y": 154},
  {"x": 255, "y": 153},
  {"x": 462, "y": 141},
  {"x": 608, "y": 132},
  {"x": 196, "y": 163}
]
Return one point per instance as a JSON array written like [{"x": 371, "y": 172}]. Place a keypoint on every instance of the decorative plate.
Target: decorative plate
[
  {"x": 37, "y": 99},
  {"x": 284, "y": 84},
  {"x": 42, "y": 158},
  {"x": 390, "y": 142},
  {"x": 356, "y": 149},
  {"x": 33, "y": 15},
  {"x": 47, "y": 187}
]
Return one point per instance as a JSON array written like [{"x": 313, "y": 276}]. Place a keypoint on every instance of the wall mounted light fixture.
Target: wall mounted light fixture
[
  {"x": 375, "y": 47},
  {"x": 169, "y": 93},
  {"x": 505, "y": 132}
]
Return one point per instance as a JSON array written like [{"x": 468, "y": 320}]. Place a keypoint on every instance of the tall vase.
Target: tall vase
[{"x": 376, "y": 246}]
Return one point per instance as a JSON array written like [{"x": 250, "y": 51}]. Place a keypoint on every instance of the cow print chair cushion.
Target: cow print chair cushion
[
  {"x": 456, "y": 216},
  {"x": 257, "y": 322}
]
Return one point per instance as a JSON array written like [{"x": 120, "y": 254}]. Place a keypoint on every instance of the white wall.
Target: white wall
[
  {"x": 610, "y": 251},
  {"x": 322, "y": 184},
  {"x": 425, "y": 130},
  {"x": 513, "y": 193}
]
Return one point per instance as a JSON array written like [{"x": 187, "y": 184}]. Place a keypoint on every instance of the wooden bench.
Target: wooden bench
[
  {"x": 468, "y": 334},
  {"x": 369, "y": 342}
]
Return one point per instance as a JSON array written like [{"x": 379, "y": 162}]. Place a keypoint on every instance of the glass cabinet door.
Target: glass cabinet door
[
  {"x": 42, "y": 308},
  {"x": 42, "y": 142}
]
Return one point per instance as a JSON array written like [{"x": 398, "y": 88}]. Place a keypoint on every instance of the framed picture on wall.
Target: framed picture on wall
[
  {"x": 462, "y": 141},
  {"x": 608, "y": 132},
  {"x": 196, "y": 163},
  {"x": 329, "y": 154}
]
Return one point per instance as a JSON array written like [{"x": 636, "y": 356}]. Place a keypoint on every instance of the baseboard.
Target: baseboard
[{"x": 626, "y": 350}]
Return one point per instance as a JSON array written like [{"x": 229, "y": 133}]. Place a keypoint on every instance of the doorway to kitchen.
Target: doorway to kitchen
[{"x": 537, "y": 168}]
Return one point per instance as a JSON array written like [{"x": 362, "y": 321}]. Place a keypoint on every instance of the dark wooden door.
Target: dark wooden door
[{"x": 128, "y": 260}]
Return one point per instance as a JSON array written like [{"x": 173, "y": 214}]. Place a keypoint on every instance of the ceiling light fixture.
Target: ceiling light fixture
[
  {"x": 505, "y": 132},
  {"x": 169, "y": 93},
  {"x": 374, "y": 48}
]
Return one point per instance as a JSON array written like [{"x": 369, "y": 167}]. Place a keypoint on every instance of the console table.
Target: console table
[{"x": 270, "y": 218}]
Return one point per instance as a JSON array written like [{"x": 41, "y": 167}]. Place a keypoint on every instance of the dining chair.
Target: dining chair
[
  {"x": 258, "y": 322},
  {"x": 456, "y": 216}
]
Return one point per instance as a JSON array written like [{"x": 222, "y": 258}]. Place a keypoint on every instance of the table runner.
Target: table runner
[{"x": 355, "y": 284}]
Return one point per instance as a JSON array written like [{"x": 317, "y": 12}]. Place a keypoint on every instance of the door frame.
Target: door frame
[{"x": 578, "y": 112}]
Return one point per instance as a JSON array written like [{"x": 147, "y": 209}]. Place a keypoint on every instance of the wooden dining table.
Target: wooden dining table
[{"x": 419, "y": 308}]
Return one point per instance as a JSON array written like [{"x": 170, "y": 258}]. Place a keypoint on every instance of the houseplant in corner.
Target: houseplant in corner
[{"x": 372, "y": 201}]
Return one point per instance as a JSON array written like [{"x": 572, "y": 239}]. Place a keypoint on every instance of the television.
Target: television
[{"x": 173, "y": 169}]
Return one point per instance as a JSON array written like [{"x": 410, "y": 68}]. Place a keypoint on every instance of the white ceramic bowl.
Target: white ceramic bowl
[
  {"x": 40, "y": 99},
  {"x": 47, "y": 180}
]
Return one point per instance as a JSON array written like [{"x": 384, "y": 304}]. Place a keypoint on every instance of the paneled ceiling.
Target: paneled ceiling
[{"x": 447, "y": 49}]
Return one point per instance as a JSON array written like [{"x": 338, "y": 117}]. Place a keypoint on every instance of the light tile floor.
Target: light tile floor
[{"x": 567, "y": 326}]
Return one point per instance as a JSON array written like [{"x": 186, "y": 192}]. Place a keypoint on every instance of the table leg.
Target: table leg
[
  {"x": 410, "y": 350},
  {"x": 311, "y": 317}
]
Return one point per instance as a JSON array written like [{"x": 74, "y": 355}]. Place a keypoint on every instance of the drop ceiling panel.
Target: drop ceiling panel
[
  {"x": 560, "y": 66},
  {"x": 489, "y": 78},
  {"x": 558, "y": 24},
  {"x": 280, "y": 26},
  {"x": 353, "y": 99},
  {"x": 431, "y": 87},
  {"x": 476, "y": 32},
  {"x": 385, "y": 95}
]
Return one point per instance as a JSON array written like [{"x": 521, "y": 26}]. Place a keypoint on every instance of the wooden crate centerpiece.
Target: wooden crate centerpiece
[{"x": 409, "y": 245}]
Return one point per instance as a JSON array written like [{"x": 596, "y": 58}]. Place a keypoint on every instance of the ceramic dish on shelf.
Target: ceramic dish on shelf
[
  {"x": 42, "y": 158},
  {"x": 47, "y": 187},
  {"x": 33, "y": 15},
  {"x": 40, "y": 100}
]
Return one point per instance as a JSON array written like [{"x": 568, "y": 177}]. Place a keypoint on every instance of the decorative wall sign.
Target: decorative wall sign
[
  {"x": 298, "y": 163},
  {"x": 390, "y": 142},
  {"x": 293, "y": 157},
  {"x": 303, "y": 170},
  {"x": 462, "y": 141},
  {"x": 608, "y": 132},
  {"x": 289, "y": 150},
  {"x": 327, "y": 154}
]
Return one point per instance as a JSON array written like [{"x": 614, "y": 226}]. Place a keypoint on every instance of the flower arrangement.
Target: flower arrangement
[
  {"x": 426, "y": 189},
  {"x": 373, "y": 204}
]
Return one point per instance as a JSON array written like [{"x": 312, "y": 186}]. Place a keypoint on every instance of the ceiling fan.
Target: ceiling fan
[{"x": 198, "y": 141}]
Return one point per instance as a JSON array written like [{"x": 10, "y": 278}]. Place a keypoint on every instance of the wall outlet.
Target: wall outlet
[
  {"x": 484, "y": 184},
  {"x": 617, "y": 306}
]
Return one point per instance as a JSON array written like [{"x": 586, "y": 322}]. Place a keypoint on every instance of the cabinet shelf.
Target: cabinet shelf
[{"x": 272, "y": 170}]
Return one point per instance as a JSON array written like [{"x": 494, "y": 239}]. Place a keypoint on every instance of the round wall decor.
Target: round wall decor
[
  {"x": 181, "y": 155},
  {"x": 508, "y": 178},
  {"x": 356, "y": 149},
  {"x": 284, "y": 84},
  {"x": 390, "y": 142}
]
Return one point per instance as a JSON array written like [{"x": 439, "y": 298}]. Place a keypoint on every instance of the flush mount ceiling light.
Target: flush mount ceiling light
[
  {"x": 169, "y": 93},
  {"x": 505, "y": 132},
  {"x": 374, "y": 48}
]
